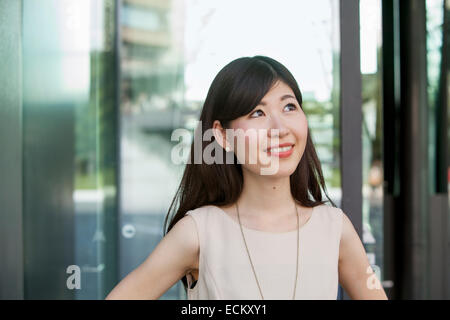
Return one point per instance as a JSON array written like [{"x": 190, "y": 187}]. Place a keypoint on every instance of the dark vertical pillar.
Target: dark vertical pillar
[
  {"x": 413, "y": 151},
  {"x": 351, "y": 114},
  {"x": 391, "y": 136},
  {"x": 11, "y": 244}
]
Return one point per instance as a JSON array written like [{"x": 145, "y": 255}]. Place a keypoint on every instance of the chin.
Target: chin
[{"x": 282, "y": 172}]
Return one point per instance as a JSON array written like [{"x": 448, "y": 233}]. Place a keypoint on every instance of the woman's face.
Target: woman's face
[{"x": 277, "y": 120}]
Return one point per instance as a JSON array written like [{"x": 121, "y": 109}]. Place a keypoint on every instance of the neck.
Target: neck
[{"x": 266, "y": 196}]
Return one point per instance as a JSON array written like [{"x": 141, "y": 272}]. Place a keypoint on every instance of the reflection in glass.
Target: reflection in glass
[
  {"x": 95, "y": 159},
  {"x": 435, "y": 19},
  {"x": 69, "y": 147},
  {"x": 370, "y": 35}
]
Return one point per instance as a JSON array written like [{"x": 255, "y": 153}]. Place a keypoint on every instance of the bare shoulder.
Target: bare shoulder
[
  {"x": 348, "y": 229},
  {"x": 185, "y": 234},
  {"x": 185, "y": 230},
  {"x": 350, "y": 240},
  {"x": 334, "y": 213}
]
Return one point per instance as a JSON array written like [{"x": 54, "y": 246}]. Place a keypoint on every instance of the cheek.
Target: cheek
[
  {"x": 303, "y": 133},
  {"x": 301, "y": 130},
  {"x": 302, "y": 139},
  {"x": 247, "y": 141}
]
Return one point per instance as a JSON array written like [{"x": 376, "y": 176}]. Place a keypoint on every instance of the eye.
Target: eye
[
  {"x": 293, "y": 106},
  {"x": 254, "y": 112}
]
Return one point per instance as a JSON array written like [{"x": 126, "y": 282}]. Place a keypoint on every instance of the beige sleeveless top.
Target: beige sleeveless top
[{"x": 225, "y": 272}]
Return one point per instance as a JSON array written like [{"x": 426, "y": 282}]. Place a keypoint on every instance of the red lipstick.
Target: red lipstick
[{"x": 281, "y": 154}]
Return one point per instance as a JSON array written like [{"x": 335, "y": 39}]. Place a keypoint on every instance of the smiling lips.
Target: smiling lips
[{"x": 282, "y": 151}]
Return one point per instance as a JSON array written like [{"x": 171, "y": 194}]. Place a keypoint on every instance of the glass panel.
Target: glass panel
[
  {"x": 447, "y": 15},
  {"x": 170, "y": 53},
  {"x": 372, "y": 133},
  {"x": 435, "y": 18},
  {"x": 69, "y": 132},
  {"x": 438, "y": 13}
]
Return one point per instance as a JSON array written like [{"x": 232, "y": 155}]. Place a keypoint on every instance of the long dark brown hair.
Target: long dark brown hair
[{"x": 234, "y": 92}]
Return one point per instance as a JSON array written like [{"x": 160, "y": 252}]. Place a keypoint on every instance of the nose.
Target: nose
[{"x": 277, "y": 127}]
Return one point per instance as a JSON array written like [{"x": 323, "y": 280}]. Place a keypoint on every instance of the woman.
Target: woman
[{"x": 254, "y": 227}]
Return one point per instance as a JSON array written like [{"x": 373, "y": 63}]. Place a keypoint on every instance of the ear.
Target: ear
[{"x": 220, "y": 136}]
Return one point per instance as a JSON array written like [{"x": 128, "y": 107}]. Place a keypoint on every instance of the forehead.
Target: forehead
[{"x": 280, "y": 91}]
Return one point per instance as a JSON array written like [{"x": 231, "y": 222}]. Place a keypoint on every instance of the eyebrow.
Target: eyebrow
[{"x": 286, "y": 96}]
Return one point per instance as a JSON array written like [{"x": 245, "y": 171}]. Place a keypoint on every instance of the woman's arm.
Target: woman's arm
[
  {"x": 172, "y": 258},
  {"x": 355, "y": 273}
]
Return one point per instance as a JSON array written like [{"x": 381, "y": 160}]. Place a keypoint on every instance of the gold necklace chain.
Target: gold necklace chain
[{"x": 251, "y": 263}]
